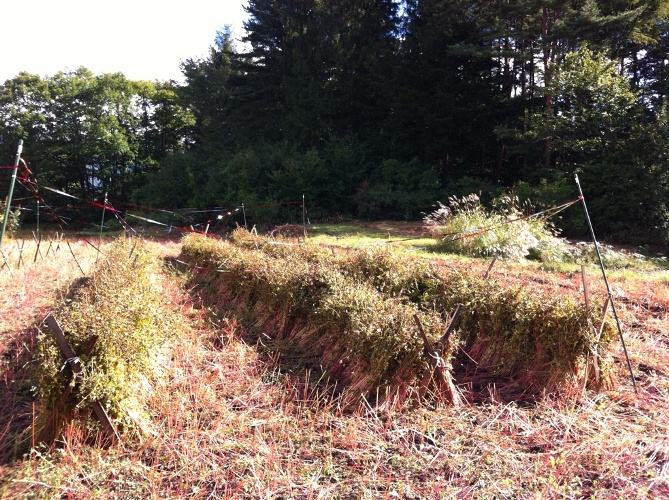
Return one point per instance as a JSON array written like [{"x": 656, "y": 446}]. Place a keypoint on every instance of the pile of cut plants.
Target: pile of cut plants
[
  {"x": 120, "y": 314},
  {"x": 375, "y": 320}
]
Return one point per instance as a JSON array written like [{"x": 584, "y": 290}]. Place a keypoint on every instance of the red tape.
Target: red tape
[{"x": 100, "y": 205}]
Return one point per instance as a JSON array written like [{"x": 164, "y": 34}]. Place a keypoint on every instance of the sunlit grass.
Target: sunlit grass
[{"x": 630, "y": 263}]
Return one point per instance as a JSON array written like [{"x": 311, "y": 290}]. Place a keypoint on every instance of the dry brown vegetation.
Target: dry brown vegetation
[{"x": 234, "y": 419}]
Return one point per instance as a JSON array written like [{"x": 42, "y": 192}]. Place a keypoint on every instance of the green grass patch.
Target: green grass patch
[{"x": 369, "y": 235}]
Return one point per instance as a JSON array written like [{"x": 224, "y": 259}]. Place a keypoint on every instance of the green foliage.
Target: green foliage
[
  {"x": 553, "y": 192},
  {"x": 13, "y": 219},
  {"x": 599, "y": 131},
  {"x": 264, "y": 177},
  {"x": 122, "y": 304},
  {"x": 172, "y": 184},
  {"x": 595, "y": 108},
  {"x": 466, "y": 226},
  {"x": 85, "y": 130},
  {"x": 397, "y": 190},
  {"x": 374, "y": 109}
]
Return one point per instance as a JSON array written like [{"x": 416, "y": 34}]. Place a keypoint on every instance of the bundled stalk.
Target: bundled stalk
[
  {"x": 358, "y": 307},
  {"x": 311, "y": 310},
  {"x": 540, "y": 343},
  {"x": 122, "y": 305}
]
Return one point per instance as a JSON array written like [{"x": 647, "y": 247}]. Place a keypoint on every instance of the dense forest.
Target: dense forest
[{"x": 377, "y": 109}]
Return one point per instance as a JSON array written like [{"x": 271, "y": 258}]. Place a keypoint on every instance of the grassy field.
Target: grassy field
[{"x": 233, "y": 419}]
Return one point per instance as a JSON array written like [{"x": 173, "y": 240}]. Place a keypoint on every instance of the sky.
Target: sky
[{"x": 143, "y": 39}]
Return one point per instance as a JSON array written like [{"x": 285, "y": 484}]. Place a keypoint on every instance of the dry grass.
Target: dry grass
[{"x": 232, "y": 421}]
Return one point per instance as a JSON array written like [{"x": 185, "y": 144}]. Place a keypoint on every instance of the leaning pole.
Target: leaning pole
[
  {"x": 11, "y": 190},
  {"x": 606, "y": 282}
]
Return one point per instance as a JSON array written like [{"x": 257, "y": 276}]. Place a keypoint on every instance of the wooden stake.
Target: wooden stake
[
  {"x": 586, "y": 296},
  {"x": 494, "y": 259},
  {"x": 585, "y": 288},
  {"x": 6, "y": 263},
  {"x": 23, "y": 242},
  {"x": 49, "y": 249},
  {"x": 443, "y": 382},
  {"x": 37, "y": 242},
  {"x": 75, "y": 259},
  {"x": 449, "y": 329},
  {"x": 73, "y": 361}
]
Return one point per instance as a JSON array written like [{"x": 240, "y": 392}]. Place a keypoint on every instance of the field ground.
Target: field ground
[{"x": 233, "y": 420}]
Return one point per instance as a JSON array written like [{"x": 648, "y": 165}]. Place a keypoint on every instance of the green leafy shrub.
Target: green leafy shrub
[
  {"x": 14, "y": 218},
  {"x": 122, "y": 304},
  {"x": 396, "y": 190}
]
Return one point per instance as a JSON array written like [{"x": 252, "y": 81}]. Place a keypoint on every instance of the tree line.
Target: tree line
[{"x": 378, "y": 109}]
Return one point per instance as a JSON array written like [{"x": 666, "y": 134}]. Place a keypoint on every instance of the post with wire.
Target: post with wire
[
  {"x": 11, "y": 190},
  {"x": 606, "y": 282}
]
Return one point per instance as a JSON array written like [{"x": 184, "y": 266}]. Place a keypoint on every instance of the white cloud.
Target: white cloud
[{"x": 143, "y": 39}]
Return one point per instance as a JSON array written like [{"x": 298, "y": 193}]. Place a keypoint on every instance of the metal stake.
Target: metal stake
[
  {"x": 11, "y": 190},
  {"x": 606, "y": 281},
  {"x": 102, "y": 225}
]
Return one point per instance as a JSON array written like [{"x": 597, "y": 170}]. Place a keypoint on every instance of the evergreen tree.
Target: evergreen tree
[
  {"x": 317, "y": 70},
  {"x": 208, "y": 92}
]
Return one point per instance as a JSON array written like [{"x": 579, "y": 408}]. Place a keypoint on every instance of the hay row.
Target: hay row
[
  {"x": 352, "y": 313},
  {"x": 312, "y": 311}
]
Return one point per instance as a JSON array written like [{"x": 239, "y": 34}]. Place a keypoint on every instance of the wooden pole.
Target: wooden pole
[
  {"x": 37, "y": 212},
  {"x": 494, "y": 259},
  {"x": 6, "y": 263},
  {"x": 304, "y": 217},
  {"x": 73, "y": 361},
  {"x": 442, "y": 380},
  {"x": 23, "y": 242},
  {"x": 11, "y": 190},
  {"x": 38, "y": 251},
  {"x": 586, "y": 296}
]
